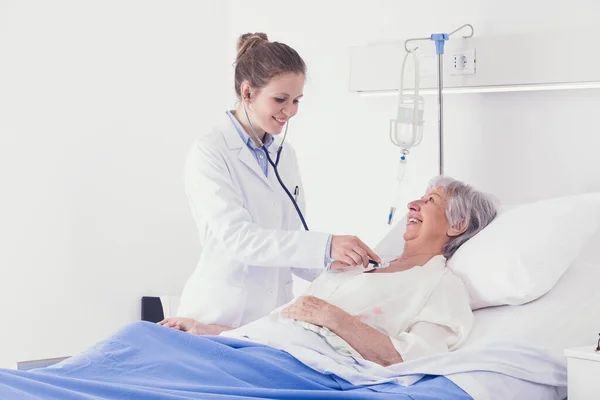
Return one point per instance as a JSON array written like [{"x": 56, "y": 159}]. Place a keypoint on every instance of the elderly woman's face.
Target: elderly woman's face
[{"x": 426, "y": 221}]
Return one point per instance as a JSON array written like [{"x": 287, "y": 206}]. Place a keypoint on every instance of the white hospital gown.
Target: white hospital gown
[{"x": 424, "y": 310}]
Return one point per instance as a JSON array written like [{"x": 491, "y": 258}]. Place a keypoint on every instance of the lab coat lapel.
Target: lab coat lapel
[
  {"x": 248, "y": 159},
  {"x": 235, "y": 144}
]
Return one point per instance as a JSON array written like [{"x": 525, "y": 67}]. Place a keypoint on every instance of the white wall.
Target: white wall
[
  {"x": 495, "y": 141},
  {"x": 99, "y": 103}
]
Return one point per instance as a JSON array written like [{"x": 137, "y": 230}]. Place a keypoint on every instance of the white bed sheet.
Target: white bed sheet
[{"x": 495, "y": 370}]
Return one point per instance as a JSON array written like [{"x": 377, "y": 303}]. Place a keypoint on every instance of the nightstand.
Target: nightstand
[{"x": 583, "y": 372}]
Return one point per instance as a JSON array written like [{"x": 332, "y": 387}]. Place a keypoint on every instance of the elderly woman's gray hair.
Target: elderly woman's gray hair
[{"x": 466, "y": 207}]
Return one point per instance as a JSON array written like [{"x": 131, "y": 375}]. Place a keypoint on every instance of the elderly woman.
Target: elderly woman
[
  {"x": 345, "y": 338},
  {"x": 413, "y": 308}
]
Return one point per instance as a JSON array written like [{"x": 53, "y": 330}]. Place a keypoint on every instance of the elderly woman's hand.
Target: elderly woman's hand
[
  {"x": 312, "y": 310},
  {"x": 192, "y": 326}
]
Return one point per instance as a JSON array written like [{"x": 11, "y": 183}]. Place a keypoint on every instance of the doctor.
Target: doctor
[{"x": 251, "y": 235}]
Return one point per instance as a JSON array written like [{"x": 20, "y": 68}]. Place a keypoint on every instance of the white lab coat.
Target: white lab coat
[{"x": 250, "y": 234}]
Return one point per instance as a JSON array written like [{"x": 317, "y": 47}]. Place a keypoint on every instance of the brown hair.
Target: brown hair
[{"x": 258, "y": 61}]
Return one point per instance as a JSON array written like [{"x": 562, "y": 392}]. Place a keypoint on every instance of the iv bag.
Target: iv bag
[{"x": 406, "y": 130}]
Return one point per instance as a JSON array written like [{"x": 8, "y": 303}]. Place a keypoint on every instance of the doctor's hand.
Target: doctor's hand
[
  {"x": 351, "y": 251},
  {"x": 192, "y": 326},
  {"x": 312, "y": 310}
]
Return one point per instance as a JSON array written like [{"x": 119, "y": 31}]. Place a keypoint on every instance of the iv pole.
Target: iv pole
[{"x": 439, "y": 39}]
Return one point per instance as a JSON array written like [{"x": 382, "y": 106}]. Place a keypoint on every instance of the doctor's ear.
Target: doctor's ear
[{"x": 246, "y": 92}]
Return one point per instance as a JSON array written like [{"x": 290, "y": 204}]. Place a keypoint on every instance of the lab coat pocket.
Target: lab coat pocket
[{"x": 298, "y": 195}]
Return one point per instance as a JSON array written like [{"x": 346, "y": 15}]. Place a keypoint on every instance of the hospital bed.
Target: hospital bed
[{"x": 565, "y": 317}]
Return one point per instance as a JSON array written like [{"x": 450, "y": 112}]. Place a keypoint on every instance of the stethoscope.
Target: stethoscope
[{"x": 276, "y": 163}]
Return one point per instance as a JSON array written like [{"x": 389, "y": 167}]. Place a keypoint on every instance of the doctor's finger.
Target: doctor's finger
[
  {"x": 358, "y": 258},
  {"x": 347, "y": 259},
  {"x": 364, "y": 257},
  {"x": 370, "y": 253}
]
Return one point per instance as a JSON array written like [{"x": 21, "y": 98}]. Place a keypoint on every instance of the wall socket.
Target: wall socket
[{"x": 463, "y": 63}]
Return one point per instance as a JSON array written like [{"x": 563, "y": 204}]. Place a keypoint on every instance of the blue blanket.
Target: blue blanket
[{"x": 147, "y": 361}]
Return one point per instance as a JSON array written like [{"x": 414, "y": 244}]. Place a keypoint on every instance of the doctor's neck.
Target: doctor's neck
[{"x": 240, "y": 115}]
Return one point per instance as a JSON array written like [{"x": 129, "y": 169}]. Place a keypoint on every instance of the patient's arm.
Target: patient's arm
[
  {"x": 371, "y": 344},
  {"x": 442, "y": 325},
  {"x": 192, "y": 326},
  {"x": 423, "y": 339}
]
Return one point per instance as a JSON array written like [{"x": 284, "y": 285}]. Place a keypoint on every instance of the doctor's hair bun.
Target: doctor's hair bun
[
  {"x": 259, "y": 60},
  {"x": 248, "y": 41}
]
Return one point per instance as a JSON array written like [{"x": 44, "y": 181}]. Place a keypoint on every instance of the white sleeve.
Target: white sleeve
[
  {"x": 442, "y": 325},
  {"x": 218, "y": 207}
]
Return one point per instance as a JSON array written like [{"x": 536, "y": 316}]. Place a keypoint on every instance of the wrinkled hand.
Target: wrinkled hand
[
  {"x": 351, "y": 251},
  {"x": 192, "y": 326},
  {"x": 312, "y": 310}
]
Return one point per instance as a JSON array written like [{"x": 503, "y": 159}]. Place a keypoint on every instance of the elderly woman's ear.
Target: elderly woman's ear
[{"x": 457, "y": 230}]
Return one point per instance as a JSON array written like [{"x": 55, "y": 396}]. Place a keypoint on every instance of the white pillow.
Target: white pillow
[
  {"x": 565, "y": 317},
  {"x": 523, "y": 253}
]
